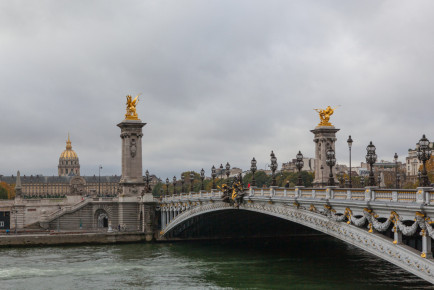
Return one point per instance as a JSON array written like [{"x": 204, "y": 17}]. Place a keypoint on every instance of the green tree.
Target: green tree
[
  {"x": 6, "y": 191},
  {"x": 3, "y": 193}
]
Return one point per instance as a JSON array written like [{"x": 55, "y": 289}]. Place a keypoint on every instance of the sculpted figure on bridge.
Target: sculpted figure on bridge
[
  {"x": 131, "y": 108},
  {"x": 233, "y": 195},
  {"x": 324, "y": 115}
]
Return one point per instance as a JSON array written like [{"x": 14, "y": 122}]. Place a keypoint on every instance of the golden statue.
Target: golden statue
[
  {"x": 131, "y": 108},
  {"x": 324, "y": 116}
]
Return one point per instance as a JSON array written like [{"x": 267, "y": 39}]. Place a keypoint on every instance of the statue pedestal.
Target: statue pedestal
[
  {"x": 325, "y": 137},
  {"x": 132, "y": 179}
]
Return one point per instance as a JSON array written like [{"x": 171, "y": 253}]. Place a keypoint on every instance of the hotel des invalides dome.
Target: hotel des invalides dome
[{"x": 69, "y": 164}]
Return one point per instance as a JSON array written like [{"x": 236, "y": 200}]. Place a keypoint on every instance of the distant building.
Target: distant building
[
  {"x": 412, "y": 163},
  {"x": 68, "y": 161},
  {"x": 309, "y": 165},
  {"x": 235, "y": 172}
]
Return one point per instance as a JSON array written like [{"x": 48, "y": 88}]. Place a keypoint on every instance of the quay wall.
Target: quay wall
[{"x": 12, "y": 240}]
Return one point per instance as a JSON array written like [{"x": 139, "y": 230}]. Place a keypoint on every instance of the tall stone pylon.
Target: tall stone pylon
[
  {"x": 131, "y": 134},
  {"x": 136, "y": 205},
  {"x": 325, "y": 138}
]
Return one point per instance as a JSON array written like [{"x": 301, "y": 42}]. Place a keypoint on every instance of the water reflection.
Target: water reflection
[{"x": 302, "y": 262}]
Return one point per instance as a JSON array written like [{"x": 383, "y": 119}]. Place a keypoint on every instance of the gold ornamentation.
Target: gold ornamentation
[
  {"x": 324, "y": 116},
  {"x": 131, "y": 108}
]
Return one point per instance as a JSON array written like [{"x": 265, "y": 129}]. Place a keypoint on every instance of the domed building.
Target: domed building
[{"x": 68, "y": 161}]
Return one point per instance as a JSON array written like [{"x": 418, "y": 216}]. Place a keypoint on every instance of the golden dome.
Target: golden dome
[{"x": 68, "y": 153}]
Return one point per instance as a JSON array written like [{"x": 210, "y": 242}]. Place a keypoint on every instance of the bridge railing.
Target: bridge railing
[{"x": 420, "y": 195}]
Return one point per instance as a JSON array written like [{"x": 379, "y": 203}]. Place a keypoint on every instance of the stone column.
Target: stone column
[
  {"x": 325, "y": 137},
  {"x": 132, "y": 177},
  {"x": 149, "y": 220},
  {"x": 167, "y": 217},
  {"x": 133, "y": 195},
  {"x": 163, "y": 219},
  {"x": 397, "y": 235}
]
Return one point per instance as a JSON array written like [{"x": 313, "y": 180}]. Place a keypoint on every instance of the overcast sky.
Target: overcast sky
[{"x": 219, "y": 80}]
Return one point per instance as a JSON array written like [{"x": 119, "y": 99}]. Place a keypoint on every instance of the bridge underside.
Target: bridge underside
[
  {"x": 237, "y": 223},
  {"x": 216, "y": 219}
]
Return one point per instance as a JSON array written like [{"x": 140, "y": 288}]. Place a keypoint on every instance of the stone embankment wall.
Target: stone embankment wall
[
  {"x": 86, "y": 217},
  {"x": 69, "y": 239}
]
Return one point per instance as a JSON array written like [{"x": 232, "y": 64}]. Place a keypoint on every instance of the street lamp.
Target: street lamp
[
  {"x": 221, "y": 171},
  {"x": 182, "y": 183},
  {"x": 350, "y": 143},
  {"x": 419, "y": 176},
  {"x": 341, "y": 179},
  {"x": 331, "y": 161},
  {"x": 167, "y": 186},
  {"x": 202, "y": 177},
  {"x": 398, "y": 179},
  {"x": 228, "y": 171},
  {"x": 371, "y": 157},
  {"x": 424, "y": 154},
  {"x": 379, "y": 180},
  {"x": 322, "y": 175},
  {"x": 213, "y": 175},
  {"x": 362, "y": 181},
  {"x": 99, "y": 179},
  {"x": 299, "y": 163},
  {"x": 273, "y": 167},
  {"x": 253, "y": 169},
  {"x": 174, "y": 185},
  {"x": 191, "y": 181},
  {"x": 395, "y": 157},
  {"x": 147, "y": 181}
]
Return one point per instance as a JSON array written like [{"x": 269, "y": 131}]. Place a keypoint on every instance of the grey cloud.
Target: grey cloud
[{"x": 220, "y": 80}]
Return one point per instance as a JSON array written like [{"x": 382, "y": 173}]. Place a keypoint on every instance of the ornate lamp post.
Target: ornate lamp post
[
  {"x": 147, "y": 181},
  {"x": 350, "y": 143},
  {"x": 347, "y": 183},
  {"x": 99, "y": 179},
  {"x": 182, "y": 183},
  {"x": 167, "y": 186},
  {"x": 322, "y": 175},
  {"x": 253, "y": 170},
  {"x": 362, "y": 181},
  {"x": 341, "y": 179},
  {"x": 273, "y": 167},
  {"x": 331, "y": 161},
  {"x": 371, "y": 157},
  {"x": 299, "y": 163},
  {"x": 379, "y": 180},
  {"x": 395, "y": 157},
  {"x": 424, "y": 154},
  {"x": 419, "y": 176},
  {"x": 398, "y": 179},
  {"x": 213, "y": 175},
  {"x": 174, "y": 184},
  {"x": 228, "y": 171},
  {"x": 221, "y": 171},
  {"x": 191, "y": 181},
  {"x": 202, "y": 177}
]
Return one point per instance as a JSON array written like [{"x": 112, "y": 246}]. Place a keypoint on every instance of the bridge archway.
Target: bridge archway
[
  {"x": 377, "y": 244},
  {"x": 101, "y": 219}
]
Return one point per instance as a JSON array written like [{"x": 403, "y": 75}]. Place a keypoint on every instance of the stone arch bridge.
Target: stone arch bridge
[{"x": 394, "y": 225}]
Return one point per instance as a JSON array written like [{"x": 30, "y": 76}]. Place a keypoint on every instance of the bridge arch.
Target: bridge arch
[{"x": 374, "y": 243}]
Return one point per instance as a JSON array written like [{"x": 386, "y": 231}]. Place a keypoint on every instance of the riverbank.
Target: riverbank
[{"x": 70, "y": 238}]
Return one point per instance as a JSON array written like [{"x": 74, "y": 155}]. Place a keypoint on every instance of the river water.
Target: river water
[{"x": 298, "y": 263}]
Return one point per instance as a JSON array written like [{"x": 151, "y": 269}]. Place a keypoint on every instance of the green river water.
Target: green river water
[{"x": 298, "y": 263}]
